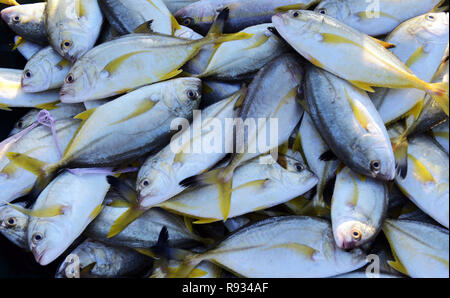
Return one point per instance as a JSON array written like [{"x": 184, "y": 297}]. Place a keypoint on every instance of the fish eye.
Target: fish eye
[
  {"x": 187, "y": 21},
  {"x": 37, "y": 237},
  {"x": 322, "y": 10},
  {"x": 296, "y": 14},
  {"x": 66, "y": 44},
  {"x": 145, "y": 183},
  {"x": 69, "y": 79},
  {"x": 356, "y": 234},
  {"x": 11, "y": 222},
  {"x": 375, "y": 166},
  {"x": 192, "y": 94},
  {"x": 19, "y": 124},
  {"x": 299, "y": 167},
  {"x": 430, "y": 17},
  {"x": 16, "y": 19},
  {"x": 27, "y": 74}
]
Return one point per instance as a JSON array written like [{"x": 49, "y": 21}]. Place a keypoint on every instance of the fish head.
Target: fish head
[
  {"x": 298, "y": 23},
  {"x": 351, "y": 233},
  {"x": 18, "y": 16},
  {"x": 431, "y": 27},
  {"x": 77, "y": 85},
  {"x": 183, "y": 95},
  {"x": 47, "y": 240},
  {"x": 24, "y": 122},
  {"x": 198, "y": 16},
  {"x": 37, "y": 76},
  {"x": 72, "y": 44},
  {"x": 13, "y": 225},
  {"x": 155, "y": 181},
  {"x": 70, "y": 267},
  {"x": 377, "y": 160},
  {"x": 295, "y": 173},
  {"x": 338, "y": 9}
]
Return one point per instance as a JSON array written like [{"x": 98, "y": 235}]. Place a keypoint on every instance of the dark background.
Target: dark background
[{"x": 13, "y": 261}]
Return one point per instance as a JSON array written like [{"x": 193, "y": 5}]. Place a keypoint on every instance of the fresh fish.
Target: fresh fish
[
  {"x": 237, "y": 58},
  {"x": 420, "y": 250},
  {"x": 440, "y": 133},
  {"x": 358, "y": 209},
  {"x": 243, "y": 13},
  {"x": 37, "y": 144},
  {"x": 13, "y": 96},
  {"x": 78, "y": 200},
  {"x": 349, "y": 123},
  {"x": 427, "y": 181},
  {"x": 203, "y": 270},
  {"x": 280, "y": 247},
  {"x": 354, "y": 56},
  {"x": 118, "y": 66},
  {"x": 160, "y": 176},
  {"x": 175, "y": 5},
  {"x": 378, "y": 17},
  {"x": 95, "y": 259},
  {"x": 255, "y": 187},
  {"x": 143, "y": 232},
  {"x": 420, "y": 43},
  {"x": 14, "y": 224},
  {"x": 73, "y": 26},
  {"x": 127, "y": 15},
  {"x": 27, "y": 21},
  {"x": 46, "y": 70},
  {"x": 25, "y": 47}
]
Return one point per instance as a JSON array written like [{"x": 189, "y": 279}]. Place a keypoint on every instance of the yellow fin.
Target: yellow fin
[
  {"x": 315, "y": 62},
  {"x": 439, "y": 93},
  {"x": 396, "y": 264},
  {"x": 441, "y": 260},
  {"x": 224, "y": 190},
  {"x": 421, "y": 173},
  {"x": 362, "y": 85},
  {"x": 96, "y": 212},
  {"x": 112, "y": 66},
  {"x": 436, "y": 8},
  {"x": 296, "y": 247},
  {"x": 363, "y": 15},
  {"x": 361, "y": 177},
  {"x": 63, "y": 64},
  {"x": 260, "y": 41},
  {"x": 9, "y": 2},
  {"x": 291, "y": 7},
  {"x": 206, "y": 89},
  {"x": 188, "y": 223},
  {"x": 51, "y": 211},
  {"x": 386, "y": 45},
  {"x": 196, "y": 273},
  {"x": 142, "y": 108},
  {"x": 418, "y": 53},
  {"x": 145, "y": 28},
  {"x": 48, "y": 106},
  {"x": 5, "y": 107},
  {"x": 441, "y": 134},
  {"x": 334, "y": 38},
  {"x": 170, "y": 75},
  {"x": 80, "y": 9},
  {"x": 242, "y": 95},
  {"x": 124, "y": 221},
  {"x": 416, "y": 110},
  {"x": 30, "y": 164},
  {"x": 355, "y": 195},
  {"x": 120, "y": 204},
  {"x": 20, "y": 41},
  {"x": 175, "y": 25},
  {"x": 146, "y": 252},
  {"x": 254, "y": 184},
  {"x": 357, "y": 112},
  {"x": 204, "y": 221},
  {"x": 85, "y": 115}
]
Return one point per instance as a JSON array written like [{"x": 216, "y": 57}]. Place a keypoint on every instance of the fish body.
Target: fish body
[{"x": 25, "y": 47}]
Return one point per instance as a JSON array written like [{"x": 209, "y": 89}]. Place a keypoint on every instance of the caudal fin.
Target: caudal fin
[{"x": 439, "y": 93}]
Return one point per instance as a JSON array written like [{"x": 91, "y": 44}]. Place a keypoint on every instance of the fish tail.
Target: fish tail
[
  {"x": 400, "y": 148},
  {"x": 124, "y": 221},
  {"x": 187, "y": 266},
  {"x": 439, "y": 93}
]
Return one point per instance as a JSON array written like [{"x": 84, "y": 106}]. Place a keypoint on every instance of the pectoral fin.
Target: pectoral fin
[
  {"x": 386, "y": 45},
  {"x": 51, "y": 211},
  {"x": 363, "y": 86}
]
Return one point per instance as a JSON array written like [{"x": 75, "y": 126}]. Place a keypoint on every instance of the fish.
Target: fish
[
  {"x": 46, "y": 70},
  {"x": 14, "y": 224},
  {"x": 420, "y": 250},
  {"x": 420, "y": 43},
  {"x": 214, "y": 91},
  {"x": 427, "y": 181},
  {"x": 200, "y": 14},
  {"x": 375, "y": 18},
  {"x": 78, "y": 201},
  {"x": 349, "y": 123},
  {"x": 160, "y": 176},
  {"x": 440, "y": 134},
  {"x": 13, "y": 96},
  {"x": 175, "y": 5},
  {"x": 27, "y": 21},
  {"x": 126, "y": 16},
  {"x": 95, "y": 259},
  {"x": 38, "y": 144},
  {"x": 315, "y": 36},
  {"x": 203, "y": 270},
  {"x": 264, "y": 106},
  {"x": 280, "y": 247},
  {"x": 236, "y": 58},
  {"x": 73, "y": 26},
  {"x": 255, "y": 187},
  {"x": 112, "y": 68},
  {"x": 143, "y": 232},
  {"x": 358, "y": 209},
  {"x": 26, "y": 48}
]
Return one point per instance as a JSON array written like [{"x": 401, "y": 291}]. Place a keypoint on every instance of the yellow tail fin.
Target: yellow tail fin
[
  {"x": 124, "y": 221},
  {"x": 439, "y": 93}
]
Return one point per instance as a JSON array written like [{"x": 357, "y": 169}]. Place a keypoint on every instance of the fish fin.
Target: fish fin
[
  {"x": 30, "y": 164},
  {"x": 436, "y": 8},
  {"x": 114, "y": 65},
  {"x": 208, "y": 178},
  {"x": 400, "y": 148},
  {"x": 142, "y": 108},
  {"x": 206, "y": 89},
  {"x": 63, "y": 64},
  {"x": 422, "y": 173},
  {"x": 286, "y": 8},
  {"x": 260, "y": 41},
  {"x": 242, "y": 94},
  {"x": 86, "y": 271},
  {"x": 186, "y": 267},
  {"x": 80, "y": 10},
  {"x": 363, "y": 86},
  {"x": 418, "y": 53},
  {"x": 296, "y": 247},
  {"x": 9, "y": 2},
  {"x": 398, "y": 266},
  {"x": 205, "y": 221},
  {"x": 175, "y": 25},
  {"x": 96, "y": 212},
  {"x": 124, "y": 221},
  {"x": 144, "y": 28},
  {"x": 386, "y": 45},
  {"x": 439, "y": 93},
  {"x": 162, "y": 249},
  {"x": 51, "y": 211},
  {"x": 170, "y": 75},
  {"x": 48, "y": 106},
  {"x": 328, "y": 156},
  {"x": 219, "y": 24},
  {"x": 120, "y": 204},
  {"x": 123, "y": 189},
  {"x": 188, "y": 223},
  {"x": 357, "y": 112},
  {"x": 85, "y": 115},
  {"x": 20, "y": 41},
  {"x": 146, "y": 252},
  {"x": 5, "y": 107}
]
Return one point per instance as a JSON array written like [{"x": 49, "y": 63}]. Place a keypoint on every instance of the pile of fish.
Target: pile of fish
[{"x": 109, "y": 170}]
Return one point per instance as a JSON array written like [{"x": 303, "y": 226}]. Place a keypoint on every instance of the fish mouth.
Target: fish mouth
[
  {"x": 5, "y": 15},
  {"x": 39, "y": 256},
  {"x": 147, "y": 202},
  {"x": 278, "y": 19}
]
